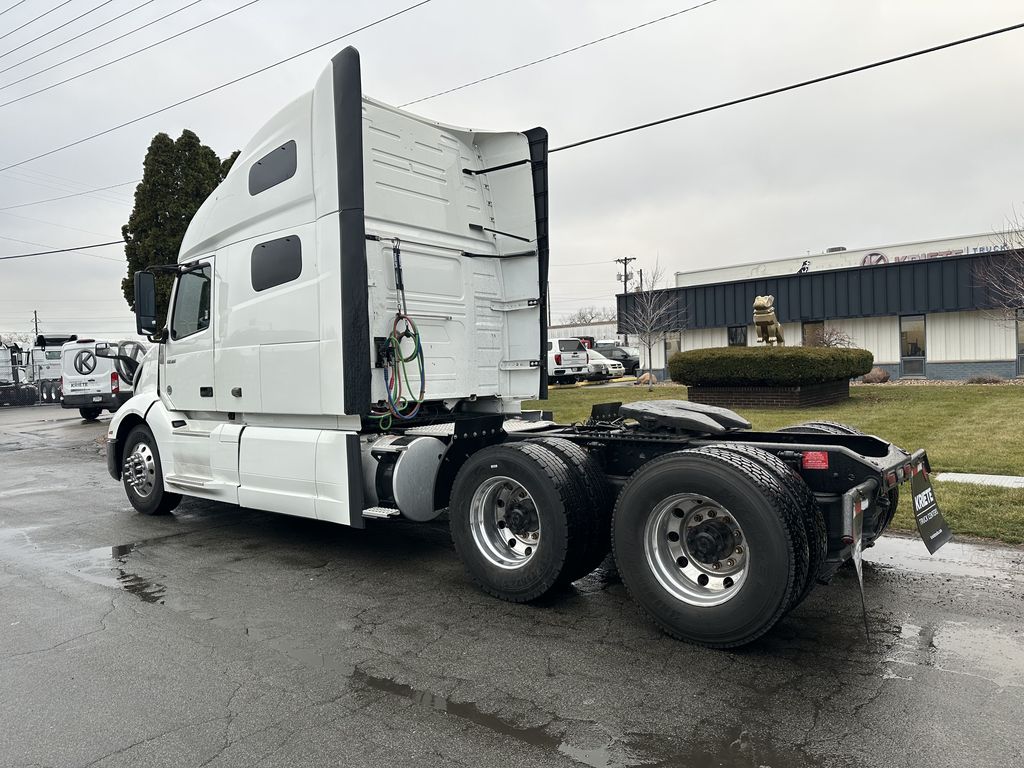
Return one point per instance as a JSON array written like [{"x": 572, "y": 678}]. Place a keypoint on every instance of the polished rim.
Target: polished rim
[
  {"x": 505, "y": 523},
  {"x": 696, "y": 550},
  {"x": 140, "y": 469}
]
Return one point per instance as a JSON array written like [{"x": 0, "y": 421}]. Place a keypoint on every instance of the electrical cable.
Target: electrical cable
[
  {"x": 58, "y": 250},
  {"x": 120, "y": 58},
  {"x": 792, "y": 87},
  {"x": 556, "y": 55},
  {"x": 83, "y": 34},
  {"x": 218, "y": 87},
  {"x": 65, "y": 197},
  {"x": 12, "y": 7},
  {"x": 61, "y": 26},
  {"x": 31, "y": 21}
]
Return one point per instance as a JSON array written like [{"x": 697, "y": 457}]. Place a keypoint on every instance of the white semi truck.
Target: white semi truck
[
  {"x": 358, "y": 315},
  {"x": 16, "y": 387},
  {"x": 45, "y": 365}
]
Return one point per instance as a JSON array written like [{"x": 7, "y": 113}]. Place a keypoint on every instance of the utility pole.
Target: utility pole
[
  {"x": 35, "y": 320},
  {"x": 624, "y": 261}
]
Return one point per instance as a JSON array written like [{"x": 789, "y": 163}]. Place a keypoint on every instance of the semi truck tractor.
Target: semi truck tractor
[
  {"x": 358, "y": 314},
  {"x": 16, "y": 387},
  {"x": 45, "y": 366}
]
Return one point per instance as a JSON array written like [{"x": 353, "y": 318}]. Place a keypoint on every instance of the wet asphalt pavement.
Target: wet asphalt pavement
[{"x": 226, "y": 637}]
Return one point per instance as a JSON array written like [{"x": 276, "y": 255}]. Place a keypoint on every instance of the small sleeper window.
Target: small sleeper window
[
  {"x": 275, "y": 262},
  {"x": 273, "y": 168}
]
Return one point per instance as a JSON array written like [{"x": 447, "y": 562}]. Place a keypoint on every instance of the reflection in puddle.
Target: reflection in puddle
[
  {"x": 146, "y": 591},
  {"x": 588, "y": 744},
  {"x": 959, "y": 648}
]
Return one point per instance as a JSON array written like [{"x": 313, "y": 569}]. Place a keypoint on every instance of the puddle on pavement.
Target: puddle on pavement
[
  {"x": 955, "y": 559},
  {"x": 739, "y": 750},
  {"x": 958, "y": 648}
]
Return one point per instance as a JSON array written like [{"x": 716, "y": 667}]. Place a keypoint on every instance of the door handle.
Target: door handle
[
  {"x": 206, "y": 391},
  {"x": 236, "y": 392}
]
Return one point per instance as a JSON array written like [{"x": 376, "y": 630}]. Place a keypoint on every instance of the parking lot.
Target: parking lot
[{"x": 222, "y": 636}]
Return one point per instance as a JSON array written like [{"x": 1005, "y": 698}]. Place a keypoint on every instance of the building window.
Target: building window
[
  {"x": 275, "y": 262},
  {"x": 912, "y": 345},
  {"x": 737, "y": 336},
  {"x": 813, "y": 333},
  {"x": 273, "y": 168}
]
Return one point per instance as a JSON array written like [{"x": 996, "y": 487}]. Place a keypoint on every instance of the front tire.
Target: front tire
[
  {"x": 517, "y": 522},
  {"x": 710, "y": 546},
  {"x": 90, "y": 414},
  {"x": 142, "y": 475}
]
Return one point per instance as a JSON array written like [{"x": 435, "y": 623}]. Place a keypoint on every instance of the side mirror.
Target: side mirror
[
  {"x": 145, "y": 303},
  {"x": 103, "y": 349}
]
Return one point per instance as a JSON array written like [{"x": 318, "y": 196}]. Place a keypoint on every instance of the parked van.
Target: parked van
[{"x": 94, "y": 384}]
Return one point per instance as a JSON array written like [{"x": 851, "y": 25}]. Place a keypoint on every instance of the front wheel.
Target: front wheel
[
  {"x": 143, "y": 475},
  {"x": 90, "y": 414}
]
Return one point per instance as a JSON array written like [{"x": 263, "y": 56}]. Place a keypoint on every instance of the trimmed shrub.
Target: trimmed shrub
[
  {"x": 986, "y": 378},
  {"x": 767, "y": 366}
]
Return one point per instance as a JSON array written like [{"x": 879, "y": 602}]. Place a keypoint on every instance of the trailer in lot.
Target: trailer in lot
[
  {"x": 358, "y": 315},
  {"x": 16, "y": 387}
]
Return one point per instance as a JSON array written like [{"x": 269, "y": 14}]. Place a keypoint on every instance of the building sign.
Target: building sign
[{"x": 880, "y": 257}]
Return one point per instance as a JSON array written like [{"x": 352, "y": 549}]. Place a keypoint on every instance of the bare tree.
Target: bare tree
[
  {"x": 829, "y": 337},
  {"x": 650, "y": 314},
  {"x": 1001, "y": 274},
  {"x": 21, "y": 338},
  {"x": 588, "y": 315}
]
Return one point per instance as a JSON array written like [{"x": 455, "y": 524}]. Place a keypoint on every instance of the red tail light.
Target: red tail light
[
  {"x": 815, "y": 460},
  {"x": 558, "y": 359},
  {"x": 115, "y": 384}
]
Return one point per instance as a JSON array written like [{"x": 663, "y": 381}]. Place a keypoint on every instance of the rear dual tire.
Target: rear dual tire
[
  {"x": 671, "y": 534},
  {"x": 529, "y": 517}
]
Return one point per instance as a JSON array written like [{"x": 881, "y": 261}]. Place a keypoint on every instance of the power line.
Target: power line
[
  {"x": 83, "y": 34},
  {"x": 11, "y": 8},
  {"x": 216, "y": 88},
  {"x": 37, "y": 18},
  {"x": 75, "y": 194},
  {"x": 51, "y": 31},
  {"x": 793, "y": 87},
  {"x": 119, "y": 58},
  {"x": 556, "y": 55},
  {"x": 61, "y": 250}
]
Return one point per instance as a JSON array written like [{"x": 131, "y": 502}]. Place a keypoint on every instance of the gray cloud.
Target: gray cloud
[{"x": 917, "y": 150}]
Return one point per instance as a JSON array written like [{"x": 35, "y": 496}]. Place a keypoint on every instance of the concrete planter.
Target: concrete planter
[{"x": 771, "y": 397}]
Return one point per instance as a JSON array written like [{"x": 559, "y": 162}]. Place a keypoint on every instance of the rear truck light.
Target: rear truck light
[
  {"x": 891, "y": 480},
  {"x": 115, "y": 384},
  {"x": 815, "y": 460},
  {"x": 558, "y": 359}
]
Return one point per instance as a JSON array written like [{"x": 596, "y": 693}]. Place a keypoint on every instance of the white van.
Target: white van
[{"x": 91, "y": 383}]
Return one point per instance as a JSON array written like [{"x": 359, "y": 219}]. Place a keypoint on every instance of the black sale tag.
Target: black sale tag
[{"x": 930, "y": 522}]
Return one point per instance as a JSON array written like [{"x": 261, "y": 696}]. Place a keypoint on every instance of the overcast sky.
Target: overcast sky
[{"x": 919, "y": 150}]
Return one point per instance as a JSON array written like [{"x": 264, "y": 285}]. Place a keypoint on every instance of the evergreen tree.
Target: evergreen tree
[{"x": 177, "y": 177}]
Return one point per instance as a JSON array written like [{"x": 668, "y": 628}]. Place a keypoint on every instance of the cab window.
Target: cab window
[
  {"x": 570, "y": 345},
  {"x": 191, "y": 303}
]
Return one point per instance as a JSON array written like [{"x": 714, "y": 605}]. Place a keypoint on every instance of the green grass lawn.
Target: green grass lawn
[{"x": 963, "y": 428}]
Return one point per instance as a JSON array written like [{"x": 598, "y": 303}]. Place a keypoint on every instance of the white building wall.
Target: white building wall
[
  {"x": 701, "y": 338},
  {"x": 878, "y": 335},
  {"x": 955, "y": 337}
]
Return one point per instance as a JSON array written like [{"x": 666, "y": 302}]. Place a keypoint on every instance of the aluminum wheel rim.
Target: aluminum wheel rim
[
  {"x": 505, "y": 522},
  {"x": 140, "y": 470},
  {"x": 676, "y": 539}
]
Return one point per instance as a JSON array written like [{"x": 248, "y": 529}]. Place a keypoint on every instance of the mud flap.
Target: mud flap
[{"x": 931, "y": 525}]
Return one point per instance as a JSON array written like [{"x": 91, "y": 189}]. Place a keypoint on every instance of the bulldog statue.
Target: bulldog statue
[{"x": 769, "y": 330}]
